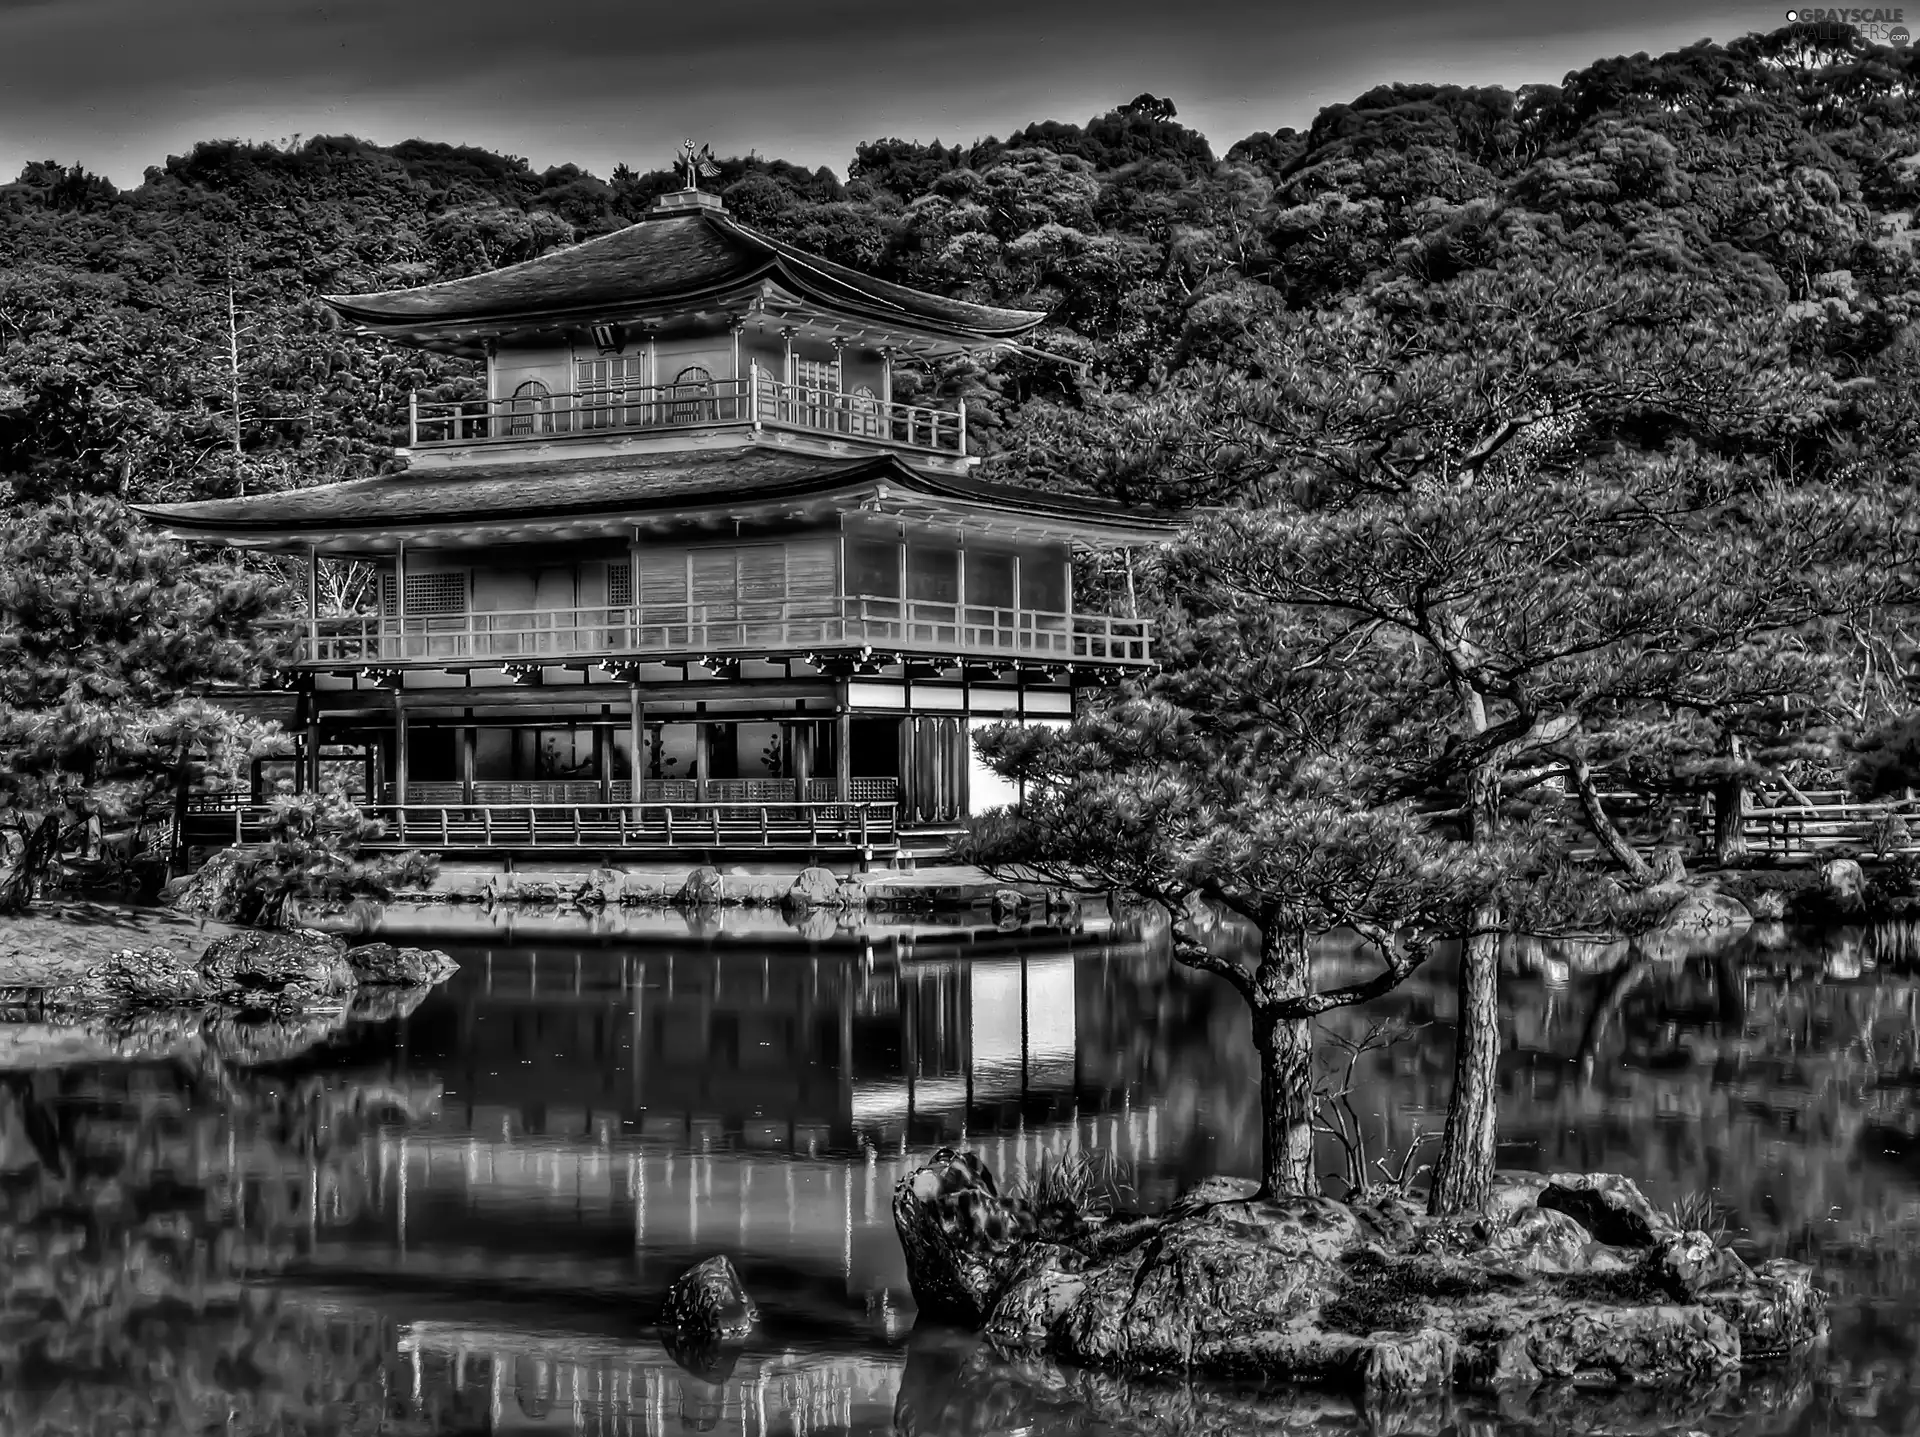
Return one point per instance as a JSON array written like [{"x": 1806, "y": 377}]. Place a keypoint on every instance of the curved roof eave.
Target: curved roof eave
[{"x": 756, "y": 256}]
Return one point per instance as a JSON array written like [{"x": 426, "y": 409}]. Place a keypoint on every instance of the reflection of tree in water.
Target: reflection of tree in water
[{"x": 139, "y": 1201}]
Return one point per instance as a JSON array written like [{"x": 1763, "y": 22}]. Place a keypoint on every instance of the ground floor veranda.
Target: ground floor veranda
[{"x": 844, "y": 768}]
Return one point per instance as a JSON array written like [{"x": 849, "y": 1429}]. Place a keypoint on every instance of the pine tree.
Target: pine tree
[
  {"x": 108, "y": 639},
  {"x": 1242, "y": 780}
]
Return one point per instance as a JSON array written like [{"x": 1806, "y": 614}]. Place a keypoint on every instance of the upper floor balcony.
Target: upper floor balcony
[
  {"x": 742, "y": 629},
  {"x": 758, "y": 401}
]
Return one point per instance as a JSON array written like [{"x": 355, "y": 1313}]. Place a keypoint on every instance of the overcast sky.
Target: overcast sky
[{"x": 117, "y": 85}]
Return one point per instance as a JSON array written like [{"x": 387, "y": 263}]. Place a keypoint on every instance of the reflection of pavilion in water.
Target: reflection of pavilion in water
[
  {"x": 611, "y": 1116},
  {"x": 598, "y": 1388}
]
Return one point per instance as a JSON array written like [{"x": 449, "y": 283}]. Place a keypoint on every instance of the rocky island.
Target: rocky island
[{"x": 1568, "y": 1277}]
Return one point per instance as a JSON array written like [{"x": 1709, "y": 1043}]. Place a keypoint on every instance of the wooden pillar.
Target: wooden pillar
[
  {"x": 400, "y": 598},
  {"x": 302, "y": 706},
  {"x": 702, "y": 759},
  {"x": 802, "y": 735},
  {"x": 313, "y": 601},
  {"x": 842, "y": 754},
  {"x": 636, "y": 736},
  {"x": 313, "y": 742},
  {"x": 399, "y": 745},
  {"x": 905, "y": 785},
  {"x": 370, "y": 764},
  {"x": 962, "y": 769},
  {"x": 603, "y": 762},
  {"x": 469, "y": 738}
]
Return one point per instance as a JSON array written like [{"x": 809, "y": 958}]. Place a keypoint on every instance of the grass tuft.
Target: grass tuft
[{"x": 1087, "y": 1180}]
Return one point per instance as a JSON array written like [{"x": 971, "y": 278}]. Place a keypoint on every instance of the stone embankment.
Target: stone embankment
[
  {"x": 1570, "y": 1278},
  {"x": 812, "y": 889}
]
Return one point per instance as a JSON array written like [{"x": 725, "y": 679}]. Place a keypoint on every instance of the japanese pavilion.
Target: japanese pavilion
[{"x": 688, "y": 577}]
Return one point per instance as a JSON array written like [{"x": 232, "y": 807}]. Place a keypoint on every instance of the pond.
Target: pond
[{"x": 457, "y": 1215}]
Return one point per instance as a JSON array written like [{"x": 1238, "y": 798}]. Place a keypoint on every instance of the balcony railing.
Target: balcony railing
[
  {"x": 746, "y": 628},
  {"x": 758, "y": 399}
]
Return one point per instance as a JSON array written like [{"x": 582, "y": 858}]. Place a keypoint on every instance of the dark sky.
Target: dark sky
[{"x": 119, "y": 84}]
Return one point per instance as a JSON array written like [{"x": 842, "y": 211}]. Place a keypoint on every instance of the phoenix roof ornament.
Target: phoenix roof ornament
[{"x": 700, "y": 164}]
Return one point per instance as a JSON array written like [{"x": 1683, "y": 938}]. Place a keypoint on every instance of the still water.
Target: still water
[{"x": 456, "y": 1214}]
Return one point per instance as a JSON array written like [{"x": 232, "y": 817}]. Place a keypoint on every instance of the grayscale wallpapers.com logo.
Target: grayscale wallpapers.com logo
[{"x": 1874, "y": 26}]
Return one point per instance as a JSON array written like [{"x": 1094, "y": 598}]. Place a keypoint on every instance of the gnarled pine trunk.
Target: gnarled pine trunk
[
  {"x": 1285, "y": 1045},
  {"x": 1463, "y": 1176},
  {"x": 1286, "y": 1105},
  {"x": 1639, "y": 873},
  {"x": 1730, "y": 810}
]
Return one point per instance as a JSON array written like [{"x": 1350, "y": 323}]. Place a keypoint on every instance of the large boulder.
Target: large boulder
[
  {"x": 814, "y": 887},
  {"x": 1705, "y": 910},
  {"x": 961, "y": 1238},
  {"x": 1607, "y": 1205},
  {"x": 295, "y": 968},
  {"x": 704, "y": 888},
  {"x": 1844, "y": 883},
  {"x": 381, "y": 965},
  {"x": 708, "y": 1303}
]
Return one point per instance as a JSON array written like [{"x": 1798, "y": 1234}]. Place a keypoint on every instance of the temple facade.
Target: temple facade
[{"x": 687, "y": 576}]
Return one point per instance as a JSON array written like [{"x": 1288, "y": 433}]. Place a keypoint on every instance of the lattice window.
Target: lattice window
[
  {"x": 428, "y": 595},
  {"x": 863, "y": 411},
  {"x": 821, "y": 374},
  {"x": 612, "y": 391},
  {"x": 619, "y": 585}
]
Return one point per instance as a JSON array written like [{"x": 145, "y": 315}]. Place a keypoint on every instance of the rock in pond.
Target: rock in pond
[
  {"x": 707, "y": 1303},
  {"x": 704, "y": 888},
  {"x": 1704, "y": 910},
  {"x": 1574, "y": 1277},
  {"x": 381, "y": 965},
  {"x": 1610, "y": 1207},
  {"x": 265, "y": 968},
  {"x": 814, "y": 887},
  {"x": 1844, "y": 883}
]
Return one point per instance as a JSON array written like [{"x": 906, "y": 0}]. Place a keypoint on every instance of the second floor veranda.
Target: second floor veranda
[
  {"x": 739, "y": 629},
  {"x": 756, "y": 401}
]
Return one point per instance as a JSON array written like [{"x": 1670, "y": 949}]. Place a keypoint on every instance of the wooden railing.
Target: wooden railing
[
  {"x": 867, "y": 827},
  {"x": 862, "y": 826},
  {"x": 664, "y": 406},
  {"x": 758, "y": 399},
  {"x": 859, "y": 416},
  {"x": 747, "y": 791},
  {"x": 860, "y": 620}
]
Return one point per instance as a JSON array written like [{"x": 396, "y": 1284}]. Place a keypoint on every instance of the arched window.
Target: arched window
[
  {"x": 531, "y": 410},
  {"x": 863, "y": 411},
  {"x": 691, "y": 396}
]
